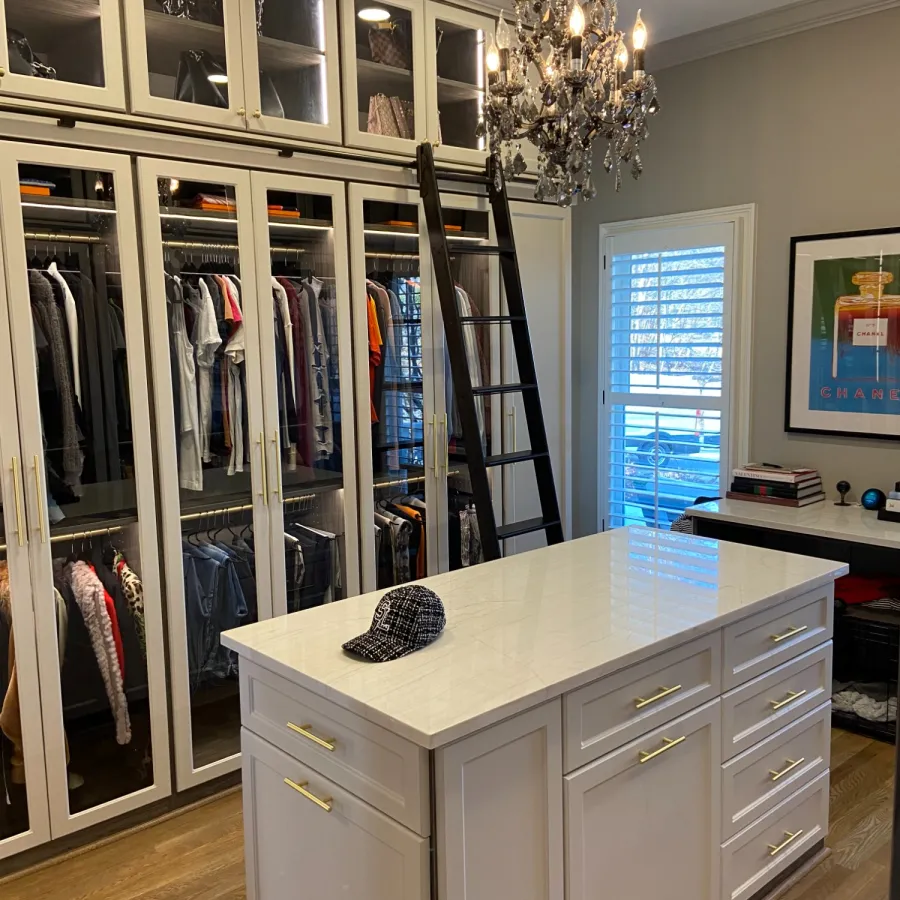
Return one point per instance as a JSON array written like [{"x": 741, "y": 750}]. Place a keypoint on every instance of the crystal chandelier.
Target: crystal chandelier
[{"x": 561, "y": 81}]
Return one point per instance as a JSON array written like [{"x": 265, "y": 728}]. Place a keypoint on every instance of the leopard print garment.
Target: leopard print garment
[{"x": 133, "y": 589}]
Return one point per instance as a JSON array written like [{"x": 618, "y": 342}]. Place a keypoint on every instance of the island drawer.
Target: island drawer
[
  {"x": 306, "y": 836},
  {"x": 753, "y": 858},
  {"x": 758, "y": 709},
  {"x": 377, "y": 766},
  {"x": 609, "y": 713},
  {"x": 761, "y": 777},
  {"x": 757, "y": 644}
]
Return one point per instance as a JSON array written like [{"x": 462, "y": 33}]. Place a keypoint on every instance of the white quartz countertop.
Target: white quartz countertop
[
  {"x": 841, "y": 523},
  {"x": 528, "y": 628}
]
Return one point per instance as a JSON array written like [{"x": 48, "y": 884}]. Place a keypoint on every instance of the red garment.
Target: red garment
[
  {"x": 855, "y": 589},
  {"x": 117, "y": 634}
]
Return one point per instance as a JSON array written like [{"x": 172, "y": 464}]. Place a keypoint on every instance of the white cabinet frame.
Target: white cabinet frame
[
  {"x": 31, "y": 435},
  {"x": 149, "y": 170},
  {"x": 262, "y": 182},
  {"x": 110, "y": 96}
]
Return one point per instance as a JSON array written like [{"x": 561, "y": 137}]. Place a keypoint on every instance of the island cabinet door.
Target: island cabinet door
[
  {"x": 644, "y": 821},
  {"x": 500, "y": 811},
  {"x": 306, "y": 837}
]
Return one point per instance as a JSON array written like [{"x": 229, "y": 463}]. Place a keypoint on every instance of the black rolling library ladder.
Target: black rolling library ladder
[{"x": 550, "y": 521}]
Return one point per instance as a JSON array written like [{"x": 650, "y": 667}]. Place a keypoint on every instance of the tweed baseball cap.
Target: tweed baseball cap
[{"x": 406, "y": 619}]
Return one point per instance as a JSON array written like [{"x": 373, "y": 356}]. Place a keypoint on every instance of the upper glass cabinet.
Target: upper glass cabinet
[
  {"x": 384, "y": 74},
  {"x": 455, "y": 50},
  {"x": 63, "y": 50},
  {"x": 262, "y": 65}
]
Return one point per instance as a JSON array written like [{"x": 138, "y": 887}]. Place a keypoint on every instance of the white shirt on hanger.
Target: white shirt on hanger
[{"x": 72, "y": 325}]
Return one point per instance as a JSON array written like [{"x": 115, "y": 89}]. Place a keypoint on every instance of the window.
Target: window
[{"x": 670, "y": 367}]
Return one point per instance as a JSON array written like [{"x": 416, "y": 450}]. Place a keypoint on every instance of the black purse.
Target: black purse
[
  {"x": 192, "y": 83},
  {"x": 22, "y": 60}
]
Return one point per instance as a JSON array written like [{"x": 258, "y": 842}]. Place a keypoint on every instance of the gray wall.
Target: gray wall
[{"x": 806, "y": 127}]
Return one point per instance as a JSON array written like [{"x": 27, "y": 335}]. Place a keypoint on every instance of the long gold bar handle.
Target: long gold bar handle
[
  {"x": 279, "y": 482},
  {"x": 640, "y": 702},
  {"x": 669, "y": 744},
  {"x": 17, "y": 494},
  {"x": 39, "y": 489},
  {"x": 264, "y": 493},
  {"x": 446, "y": 446},
  {"x": 775, "y": 850},
  {"x": 512, "y": 428},
  {"x": 327, "y": 743},
  {"x": 792, "y": 696},
  {"x": 793, "y": 632},
  {"x": 793, "y": 763},
  {"x": 434, "y": 445},
  {"x": 325, "y": 803}
]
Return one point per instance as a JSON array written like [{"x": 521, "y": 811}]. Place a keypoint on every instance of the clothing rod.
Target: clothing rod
[
  {"x": 84, "y": 535},
  {"x": 417, "y": 479},
  {"x": 47, "y": 237},
  {"x": 230, "y": 510},
  {"x": 203, "y": 245},
  {"x": 373, "y": 255}
]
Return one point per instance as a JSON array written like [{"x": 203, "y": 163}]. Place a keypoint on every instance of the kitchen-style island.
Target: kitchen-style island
[{"x": 634, "y": 715}]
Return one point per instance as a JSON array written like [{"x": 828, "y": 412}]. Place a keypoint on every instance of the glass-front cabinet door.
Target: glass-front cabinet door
[
  {"x": 24, "y": 817},
  {"x": 292, "y": 68},
  {"x": 87, "y": 479},
  {"x": 304, "y": 300},
  {"x": 211, "y": 443},
  {"x": 64, "y": 50},
  {"x": 455, "y": 43},
  {"x": 185, "y": 60},
  {"x": 468, "y": 222},
  {"x": 400, "y": 460},
  {"x": 384, "y": 74}
]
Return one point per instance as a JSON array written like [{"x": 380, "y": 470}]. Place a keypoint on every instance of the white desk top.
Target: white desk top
[
  {"x": 842, "y": 523},
  {"x": 529, "y": 628}
]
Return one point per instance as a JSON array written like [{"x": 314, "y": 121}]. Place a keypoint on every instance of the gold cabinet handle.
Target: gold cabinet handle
[
  {"x": 512, "y": 426},
  {"x": 446, "y": 447},
  {"x": 792, "y": 632},
  {"x": 264, "y": 493},
  {"x": 39, "y": 490},
  {"x": 17, "y": 494},
  {"x": 791, "y": 697},
  {"x": 2, "y": 71},
  {"x": 640, "y": 702},
  {"x": 434, "y": 443},
  {"x": 775, "y": 850},
  {"x": 328, "y": 743},
  {"x": 669, "y": 744},
  {"x": 792, "y": 764},
  {"x": 278, "y": 475},
  {"x": 257, "y": 114},
  {"x": 242, "y": 112},
  {"x": 326, "y": 803}
]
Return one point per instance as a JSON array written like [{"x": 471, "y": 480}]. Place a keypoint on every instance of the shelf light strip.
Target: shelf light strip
[
  {"x": 59, "y": 206},
  {"x": 304, "y": 227},
  {"x": 412, "y": 234},
  {"x": 198, "y": 218}
]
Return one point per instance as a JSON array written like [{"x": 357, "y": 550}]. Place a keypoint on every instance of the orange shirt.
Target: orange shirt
[{"x": 375, "y": 344}]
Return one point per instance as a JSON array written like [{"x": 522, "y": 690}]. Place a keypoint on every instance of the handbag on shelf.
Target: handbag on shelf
[
  {"x": 208, "y": 11},
  {"x": 192, "y": 83},
  {"x": 390, "y": 46},
  {"x": 381, "y": 117},
  {"x": 22, "y": 60},
  {"x": 404, "y": 113}
]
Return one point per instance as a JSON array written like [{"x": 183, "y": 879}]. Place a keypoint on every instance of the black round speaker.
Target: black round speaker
[{"x": 873, "y": 499}]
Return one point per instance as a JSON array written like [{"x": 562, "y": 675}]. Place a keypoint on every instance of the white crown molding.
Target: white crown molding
[{"x": 757, "y": 29}]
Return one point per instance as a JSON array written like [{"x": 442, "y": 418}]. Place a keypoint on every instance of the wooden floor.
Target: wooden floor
[{"x": 198, "y": 855}]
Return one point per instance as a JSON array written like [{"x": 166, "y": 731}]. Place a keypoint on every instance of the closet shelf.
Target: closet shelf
[
  {"x": 31, "y": 18},
  {"x": 450, "y": 91},
  {"x": 206, "y": 216},
  {"x": 377, "y": 78}
]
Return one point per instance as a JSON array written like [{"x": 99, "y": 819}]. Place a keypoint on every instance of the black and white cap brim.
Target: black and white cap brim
[{"x": 378, "y": 648}]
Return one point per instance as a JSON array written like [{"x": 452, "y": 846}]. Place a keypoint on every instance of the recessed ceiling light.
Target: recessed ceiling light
[
  {"x": 218, "y": 78},
  {"x": 374, "y": 14}
]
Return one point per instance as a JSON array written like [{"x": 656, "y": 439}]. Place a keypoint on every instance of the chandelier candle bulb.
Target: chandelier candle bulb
[
  {"x": 639, "y": 38},
  {"x": 576, "y": 27}
]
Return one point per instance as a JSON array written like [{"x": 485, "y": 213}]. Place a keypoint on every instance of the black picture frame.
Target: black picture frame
[{"x": 796, "y": 241}]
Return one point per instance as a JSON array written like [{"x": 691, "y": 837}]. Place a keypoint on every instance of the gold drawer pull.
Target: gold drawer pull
[
  {"x": 327, "y": 804},
  {"x": 774, "y": 851},
  {"x": 640, "y": 703},
  {"x": 669, "y": 744},
  {"x": 792, "y": 764},
  {"x": 791, "y": 697},
  {"x": 328, "y": 743},
  {"x": 791, "y": 632}
]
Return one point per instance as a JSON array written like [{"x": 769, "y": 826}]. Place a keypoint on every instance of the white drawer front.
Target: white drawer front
[
  {"x": 613, "y": 711},
  {"x": 754, "y": 646},
  {"x": 377, "y": 766},
  {"x": 760, "y": 778},
  {"x": 305, "y": 836},
  {"x": 753, "y": 858},
  {"x": 761, "y": 707}
]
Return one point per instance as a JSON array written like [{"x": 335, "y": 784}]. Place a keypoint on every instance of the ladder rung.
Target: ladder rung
[
  {"x": 465, "y": 177},
  {"x": 478, "y": 250},
  {"x": 507, "y": 459},
  {"x": 529, "y": 526},
  {"x": 503, "y": 389},
  {"x": 490, "y": 320}
]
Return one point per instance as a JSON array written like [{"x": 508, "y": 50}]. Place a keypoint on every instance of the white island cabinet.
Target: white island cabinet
[{"x": 634, "y": 713}]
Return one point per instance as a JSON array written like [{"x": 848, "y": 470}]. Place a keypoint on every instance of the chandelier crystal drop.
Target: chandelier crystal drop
[{"x": 560, "y": 80}]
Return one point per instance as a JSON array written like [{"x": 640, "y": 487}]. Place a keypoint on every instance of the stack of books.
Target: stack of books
[{"x": 777, "y": 485}]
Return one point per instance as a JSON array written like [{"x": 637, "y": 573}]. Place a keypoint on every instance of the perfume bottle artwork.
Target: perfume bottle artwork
[{"x": 871, "y": 320}]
